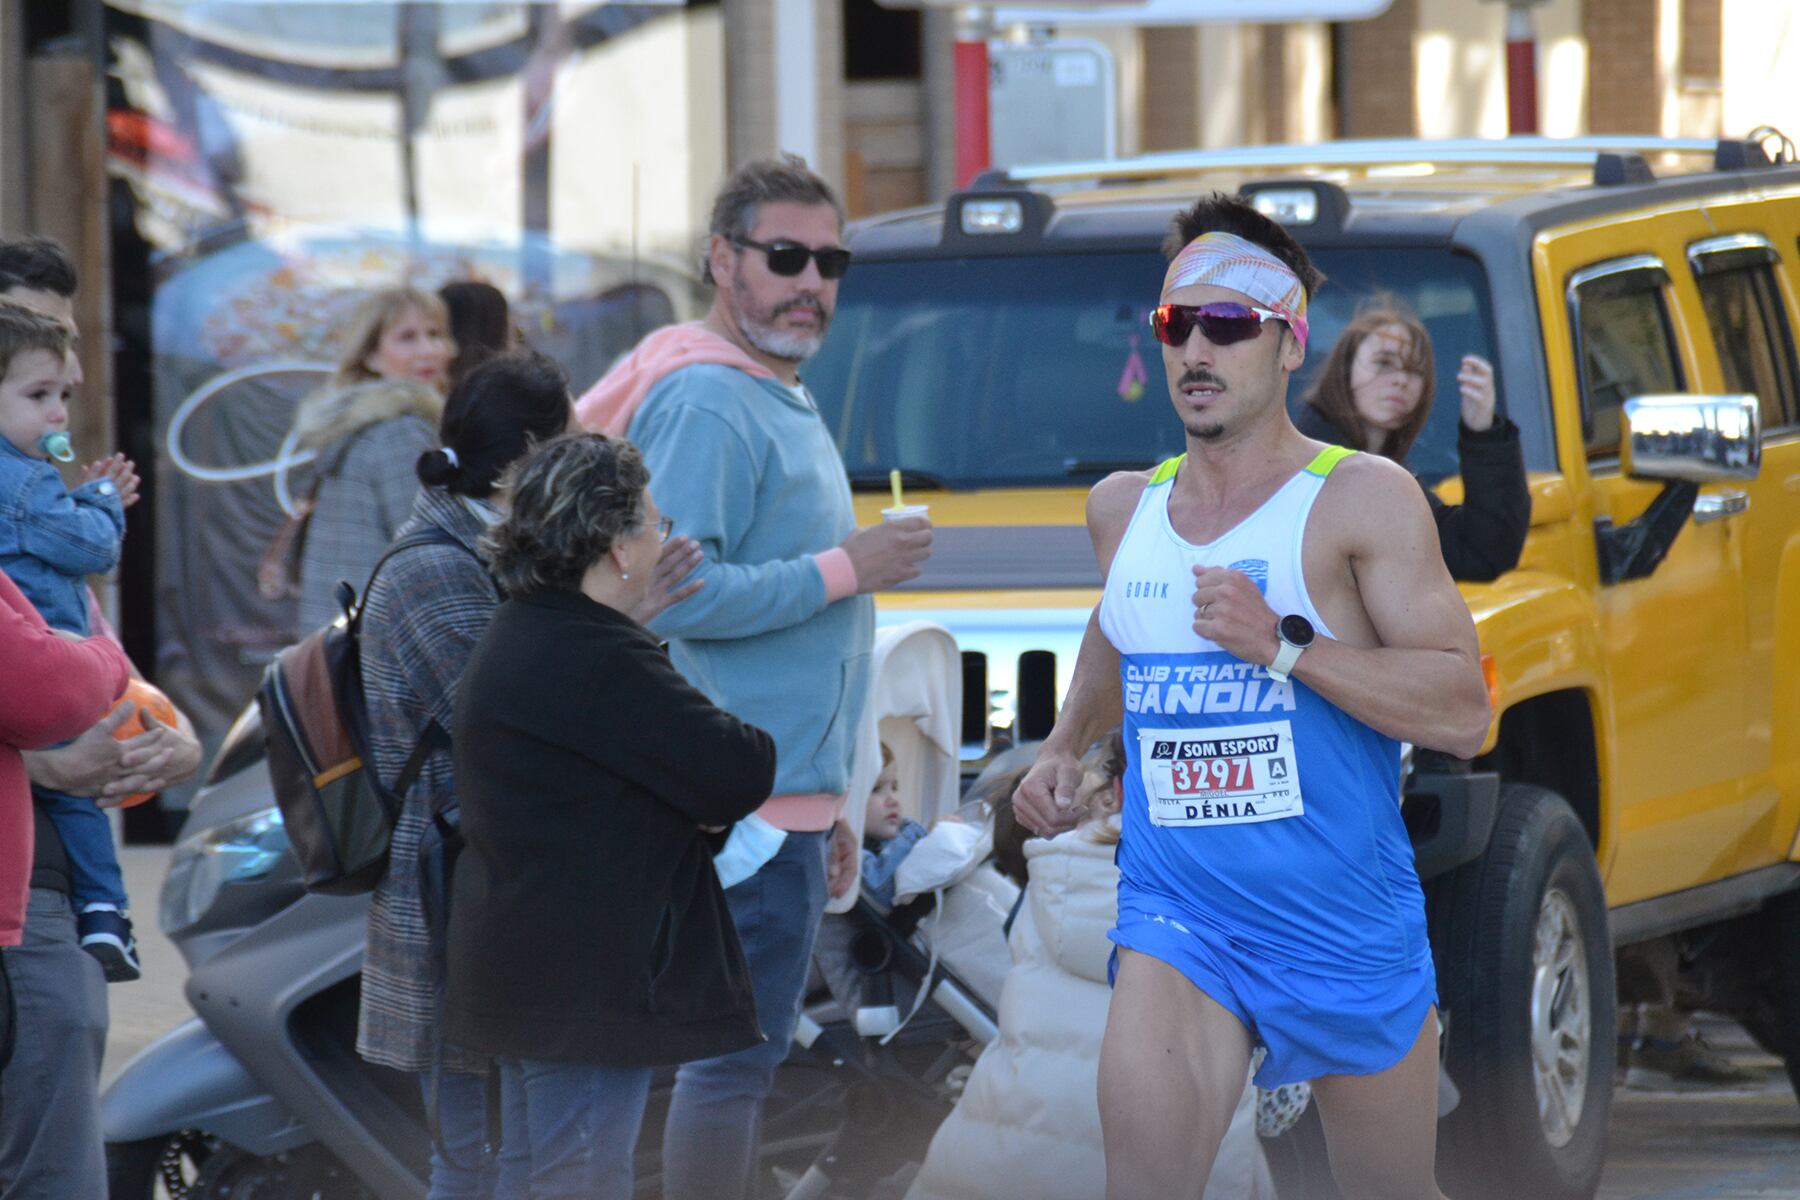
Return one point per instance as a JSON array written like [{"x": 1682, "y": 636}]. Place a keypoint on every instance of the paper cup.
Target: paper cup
[{"x": 906, "y": 512}]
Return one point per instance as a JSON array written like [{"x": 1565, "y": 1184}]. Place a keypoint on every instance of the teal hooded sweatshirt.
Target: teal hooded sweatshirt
[{"x": 747, "y": 468}]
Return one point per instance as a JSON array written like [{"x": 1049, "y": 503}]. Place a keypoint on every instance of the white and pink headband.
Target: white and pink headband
[{"x": 1229, "y": 261}]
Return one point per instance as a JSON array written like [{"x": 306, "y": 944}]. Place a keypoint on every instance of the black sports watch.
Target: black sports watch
[{"x": 1295, "y": 633}]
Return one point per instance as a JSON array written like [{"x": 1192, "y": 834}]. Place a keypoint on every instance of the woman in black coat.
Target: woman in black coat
[
  {"x": 589, "y": 939},
  {"x": 1375, "y": 393}
]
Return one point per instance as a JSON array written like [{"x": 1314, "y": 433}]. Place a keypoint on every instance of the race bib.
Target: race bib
[{"x": 1231, "y": 775}]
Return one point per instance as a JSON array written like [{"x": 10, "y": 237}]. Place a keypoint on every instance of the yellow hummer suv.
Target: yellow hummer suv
[{"x": 1642, "y": 777}]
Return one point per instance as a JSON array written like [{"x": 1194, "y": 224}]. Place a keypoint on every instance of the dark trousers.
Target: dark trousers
[{"x": 51, "y": 1145}]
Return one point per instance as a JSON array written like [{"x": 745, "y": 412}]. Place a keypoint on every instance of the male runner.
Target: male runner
[{"x": 1268, "y": 652}]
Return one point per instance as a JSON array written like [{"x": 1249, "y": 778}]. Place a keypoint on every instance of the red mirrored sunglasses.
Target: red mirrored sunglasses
[{"x": 1222, "y": 323}]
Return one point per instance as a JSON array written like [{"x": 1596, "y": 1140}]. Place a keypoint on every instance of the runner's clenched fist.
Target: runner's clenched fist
[{"x": 1230, "y": 612}]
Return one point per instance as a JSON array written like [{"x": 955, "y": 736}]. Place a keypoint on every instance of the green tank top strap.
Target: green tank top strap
[
  {"x": 1326, "y": 461},
  {"x": 1166, "y": 469}
]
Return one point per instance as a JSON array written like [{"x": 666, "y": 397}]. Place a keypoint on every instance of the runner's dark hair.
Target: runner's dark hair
[{"x": 1220, "y": 213}]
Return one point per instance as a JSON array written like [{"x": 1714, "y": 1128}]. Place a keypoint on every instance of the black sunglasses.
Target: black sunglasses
[
  {"x": 789, "y": 258},
  {"x": 1223, "y": 323}
]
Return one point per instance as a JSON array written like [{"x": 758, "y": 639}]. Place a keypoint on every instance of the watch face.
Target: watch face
[{"x": 1296, "y": 630}]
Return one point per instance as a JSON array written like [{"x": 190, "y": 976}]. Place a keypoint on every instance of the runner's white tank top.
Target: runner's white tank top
[{"x": 1257, "y": 809}]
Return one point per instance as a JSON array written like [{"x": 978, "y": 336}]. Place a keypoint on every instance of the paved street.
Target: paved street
[{"x": 1667, "y": 1143}]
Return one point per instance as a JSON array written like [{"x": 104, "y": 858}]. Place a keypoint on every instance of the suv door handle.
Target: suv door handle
[{"x": 1716, "y": 506}]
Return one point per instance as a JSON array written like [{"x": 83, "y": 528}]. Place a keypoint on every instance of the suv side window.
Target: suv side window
[
  {"x": 1624, "y": 346},
  {"x": 1736, "y": 278}
]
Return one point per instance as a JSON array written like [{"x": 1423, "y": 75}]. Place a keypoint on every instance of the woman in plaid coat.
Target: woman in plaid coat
[{"x": 426, "y": 610}]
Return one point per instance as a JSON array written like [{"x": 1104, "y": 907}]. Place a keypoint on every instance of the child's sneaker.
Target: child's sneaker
[{"x": 106, "y": 934}]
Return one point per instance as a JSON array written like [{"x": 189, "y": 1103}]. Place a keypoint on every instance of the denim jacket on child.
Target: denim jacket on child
[
  {"x": 880, "y": 865},
  {"x": 52, "y": 539}
]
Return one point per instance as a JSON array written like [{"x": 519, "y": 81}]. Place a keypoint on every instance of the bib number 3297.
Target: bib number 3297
[{"x": 1222, "y": 776}]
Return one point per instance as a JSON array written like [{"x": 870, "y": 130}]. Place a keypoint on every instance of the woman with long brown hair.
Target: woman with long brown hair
[
  {"x": 1375, "y": 393},
  {"x": 368, "y": 427}
]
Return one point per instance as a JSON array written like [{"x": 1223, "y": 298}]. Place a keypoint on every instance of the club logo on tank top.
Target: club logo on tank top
[{"x": 1228, "y": 686}]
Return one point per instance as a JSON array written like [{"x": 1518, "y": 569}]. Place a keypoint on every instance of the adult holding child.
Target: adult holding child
[
  {"x": 783, "y": 632},
  {"x": 589, "y": 939},
  {"x": 367, "y": 427},
  {"x": 50, "y": 1135}
]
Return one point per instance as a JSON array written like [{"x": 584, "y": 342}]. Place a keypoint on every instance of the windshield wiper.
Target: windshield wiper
[
  {"x": 877, "y": 481},
  {"x": 1105, "y": 466}
]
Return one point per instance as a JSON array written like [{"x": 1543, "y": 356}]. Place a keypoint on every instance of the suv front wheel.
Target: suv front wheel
[{"x": 1525, "y": 972}]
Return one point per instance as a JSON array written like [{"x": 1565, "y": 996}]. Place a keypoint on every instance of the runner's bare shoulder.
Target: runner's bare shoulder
[
  {"x": 1371, "y": 499},
  {"x": 1110, "y": 504}
]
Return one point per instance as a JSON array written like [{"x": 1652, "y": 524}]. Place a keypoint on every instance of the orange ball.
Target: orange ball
[{"x": 140, "y": 695}]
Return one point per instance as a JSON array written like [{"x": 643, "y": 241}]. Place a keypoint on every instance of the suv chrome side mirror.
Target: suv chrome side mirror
[{"x": 1691, "y": 438}]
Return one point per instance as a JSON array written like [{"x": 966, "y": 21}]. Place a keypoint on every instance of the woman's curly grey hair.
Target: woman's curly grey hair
[{"x": 572, "y": 498}]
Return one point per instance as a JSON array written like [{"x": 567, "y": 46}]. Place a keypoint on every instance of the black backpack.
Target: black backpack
[{"x": 339, "y": 815}]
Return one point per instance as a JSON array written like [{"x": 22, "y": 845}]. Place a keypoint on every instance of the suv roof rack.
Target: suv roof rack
[{"x": 1512, "y": 151}]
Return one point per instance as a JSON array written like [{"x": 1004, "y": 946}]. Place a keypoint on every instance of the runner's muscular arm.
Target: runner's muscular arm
[
  {"x": 1045, "y": 799},
  {"x": 1422, "y": 681}
]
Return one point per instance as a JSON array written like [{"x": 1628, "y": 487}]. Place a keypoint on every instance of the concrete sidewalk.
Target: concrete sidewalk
[{"x": 145, "y": 1009}]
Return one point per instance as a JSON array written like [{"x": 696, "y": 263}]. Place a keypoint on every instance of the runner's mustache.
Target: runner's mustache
[{"x": 1200, "y": 378}]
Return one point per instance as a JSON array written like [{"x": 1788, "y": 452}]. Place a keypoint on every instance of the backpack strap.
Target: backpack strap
[
  {"x": 434, "y": 737},
  {"x": 429, "y": 535}
]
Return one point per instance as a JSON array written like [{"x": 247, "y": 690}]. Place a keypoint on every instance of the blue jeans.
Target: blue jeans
[
  {"x": 94, "y": 875},
  {"x": 461, "y": 1168},
  {"x": 714, "y": 1129},
  {"x": 579, "y": 1122}
]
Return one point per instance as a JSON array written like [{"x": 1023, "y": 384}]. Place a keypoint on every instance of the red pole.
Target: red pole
[
  {"x": 971, "y": 75},
  {"x": 1521, "y": 71}
]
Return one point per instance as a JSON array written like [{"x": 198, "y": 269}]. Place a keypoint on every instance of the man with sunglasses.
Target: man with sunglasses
[
  {"x": 781, "y": 630},
  {"x": 1276, "y": 617}
]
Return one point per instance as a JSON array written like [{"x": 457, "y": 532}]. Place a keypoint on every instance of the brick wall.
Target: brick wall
[
  {"x": 1376, "y": 75},
  {"x": 1171, "y": 85},
  {"x": 1624, "y": 93},
  {"x": 1702, "y": 37}
]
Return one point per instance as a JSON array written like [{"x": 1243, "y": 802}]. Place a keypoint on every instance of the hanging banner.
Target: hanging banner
[{"x": 278, "y": 161}]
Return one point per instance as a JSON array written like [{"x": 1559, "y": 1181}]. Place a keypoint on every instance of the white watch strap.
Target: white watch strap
[{"x": 1285, "y": 657}]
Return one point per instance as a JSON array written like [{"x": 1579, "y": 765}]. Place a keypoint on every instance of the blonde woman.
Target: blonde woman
[{"x": 368, "y": 427}]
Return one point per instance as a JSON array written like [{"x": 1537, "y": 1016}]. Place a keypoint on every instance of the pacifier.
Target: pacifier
[{"x": 55, "y": 444}]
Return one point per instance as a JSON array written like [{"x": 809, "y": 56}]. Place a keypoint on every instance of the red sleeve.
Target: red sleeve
[{"x": 53, "y": 689}]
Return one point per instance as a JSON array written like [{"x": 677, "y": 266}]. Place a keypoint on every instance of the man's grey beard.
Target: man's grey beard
[{"x": 792, "y": 347}]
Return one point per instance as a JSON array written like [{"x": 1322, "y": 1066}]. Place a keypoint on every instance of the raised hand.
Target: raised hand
[
  {"x": 1475, "y": 381},
  {"x": 680, "y": 555},
  {"x": 123, "y": 473}
]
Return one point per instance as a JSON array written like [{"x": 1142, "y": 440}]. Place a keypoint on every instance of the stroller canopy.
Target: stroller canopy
[{"x": 915, "y": 709}]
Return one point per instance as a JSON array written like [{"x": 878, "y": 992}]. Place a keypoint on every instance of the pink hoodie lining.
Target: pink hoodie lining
[{"x": 609, "y": 405}]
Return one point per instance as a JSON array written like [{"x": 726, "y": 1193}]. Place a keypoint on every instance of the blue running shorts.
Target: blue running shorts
[{"x": 1311, "y": 1024}]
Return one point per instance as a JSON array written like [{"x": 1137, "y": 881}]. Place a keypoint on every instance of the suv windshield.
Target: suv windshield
[{"x": 996, "y": 372}]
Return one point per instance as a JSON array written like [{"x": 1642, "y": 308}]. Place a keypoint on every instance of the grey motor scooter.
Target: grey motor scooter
[{"x": 263, "y": 1094}]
